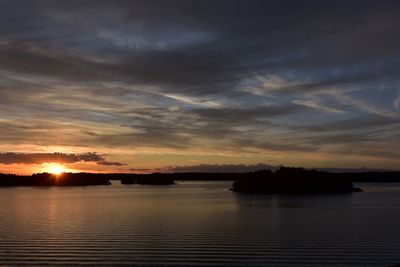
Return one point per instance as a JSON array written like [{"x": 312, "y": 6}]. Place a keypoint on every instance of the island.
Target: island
[{"x": 294, "y": 181}]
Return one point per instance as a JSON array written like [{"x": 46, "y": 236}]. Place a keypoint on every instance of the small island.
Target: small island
[{"x": 294, "y": 181}]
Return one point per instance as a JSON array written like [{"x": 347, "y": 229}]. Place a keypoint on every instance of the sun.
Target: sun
[{"x": 56, "y": 169}]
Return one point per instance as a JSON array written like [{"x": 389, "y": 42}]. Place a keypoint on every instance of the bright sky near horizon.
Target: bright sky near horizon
[{"x": 132, "y": 86}]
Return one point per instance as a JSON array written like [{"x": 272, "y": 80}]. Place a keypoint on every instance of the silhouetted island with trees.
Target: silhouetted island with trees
[{"x": 294, "y": 181}]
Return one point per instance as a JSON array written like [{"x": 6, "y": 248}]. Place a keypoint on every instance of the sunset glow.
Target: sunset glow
[{"x": 56, "y": 169}]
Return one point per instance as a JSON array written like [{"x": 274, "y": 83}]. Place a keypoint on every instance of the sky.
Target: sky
[{"x": 139, "y": 86}]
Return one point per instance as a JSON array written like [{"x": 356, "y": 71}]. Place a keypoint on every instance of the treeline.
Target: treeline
[
  {"x": 265, "y": 178},
  {"x": 383, "y": 177},
  {"x": 47, "y": 179},
  {"x": 375, "y": 177},
  {"x": 83, "y": 179}
]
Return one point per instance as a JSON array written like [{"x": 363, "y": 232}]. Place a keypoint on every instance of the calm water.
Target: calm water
[{"x": 197, "y": 223}]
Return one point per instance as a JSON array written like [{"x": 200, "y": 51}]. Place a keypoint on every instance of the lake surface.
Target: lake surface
[{"x": 197, "y": 223}]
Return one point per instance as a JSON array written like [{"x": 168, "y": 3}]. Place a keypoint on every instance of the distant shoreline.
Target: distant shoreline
[{"x": 81, "y": 179}]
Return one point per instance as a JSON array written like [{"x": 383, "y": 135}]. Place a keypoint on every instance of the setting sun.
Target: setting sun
[{"x": 56, "y": 169}]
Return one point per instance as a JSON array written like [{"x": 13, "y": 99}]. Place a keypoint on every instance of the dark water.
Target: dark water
[{"x": 197, "y": 223}]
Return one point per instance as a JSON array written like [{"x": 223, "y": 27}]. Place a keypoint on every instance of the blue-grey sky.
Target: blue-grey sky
[{"x": 134, "y": 85}]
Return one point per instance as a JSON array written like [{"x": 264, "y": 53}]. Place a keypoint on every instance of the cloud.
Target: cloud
[
  {"x": 316, "y": 105},
  {"x": 194, "y": 49},
  {"x": 40, "y": 158},
  {"x": 357, "y": 123},
  {"x": 397, "y": 102},
  {"x": 239, "y": 114},
  {"x": 110, "y": 163},
  {"x": 280, "y": 145}
]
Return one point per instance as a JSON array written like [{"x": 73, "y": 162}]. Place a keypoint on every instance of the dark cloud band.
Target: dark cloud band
[{"x": 40, "y": 158}]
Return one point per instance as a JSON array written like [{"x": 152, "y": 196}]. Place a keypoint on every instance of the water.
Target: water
[{"x": 197, "y": 223}]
